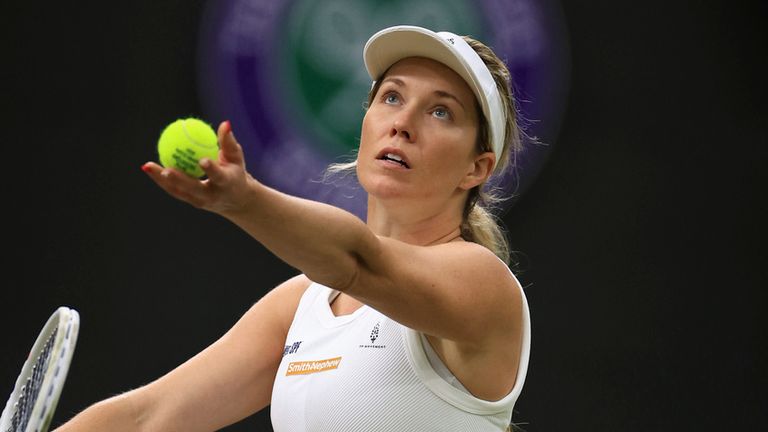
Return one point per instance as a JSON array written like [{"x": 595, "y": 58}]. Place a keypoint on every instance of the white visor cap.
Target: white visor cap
[{"x": 393, "y": 44}]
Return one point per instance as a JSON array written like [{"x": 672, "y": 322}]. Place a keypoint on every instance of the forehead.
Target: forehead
[{"x": 433, "y": 74}]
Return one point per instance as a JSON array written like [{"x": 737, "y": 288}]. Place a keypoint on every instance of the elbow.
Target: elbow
[
  {"x": 367, "y": 260},
  {"x": 363, "y": 260},
  {"x": 344, "y": 273},
  {"x": 341, "y": 275},
  {"x": 349, "y": 281}
]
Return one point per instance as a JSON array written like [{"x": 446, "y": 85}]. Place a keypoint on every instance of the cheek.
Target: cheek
[
  {"x": 365, "y": 147},
  {"x": 452, "y": 158},
  {"x": 457, "y": 145},
  {"x": 366, "y": 132}
]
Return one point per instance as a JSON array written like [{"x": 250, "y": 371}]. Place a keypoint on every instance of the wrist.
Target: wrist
[{"x": 247, "y": 200}]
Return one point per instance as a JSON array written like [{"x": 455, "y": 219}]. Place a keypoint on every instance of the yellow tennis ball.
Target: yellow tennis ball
[{"x": 184, "y": 142}]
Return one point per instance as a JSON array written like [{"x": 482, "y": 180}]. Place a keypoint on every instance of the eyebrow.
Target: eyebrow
[
  {"x": 445, "y": 94},
  {"x": 439, "y": 93}
]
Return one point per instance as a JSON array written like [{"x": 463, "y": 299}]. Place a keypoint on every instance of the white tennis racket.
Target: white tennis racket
[{"x": 38, "y": 387}]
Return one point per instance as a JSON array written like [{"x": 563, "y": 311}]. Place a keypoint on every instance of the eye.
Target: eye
[
  {"x": 391, "y": 98},
  {"x": 441, "y": 113}
]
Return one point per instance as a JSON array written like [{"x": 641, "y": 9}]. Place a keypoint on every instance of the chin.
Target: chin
[
  {"x": 384, "y": 190},
  {"x": 383, "y": 187}
]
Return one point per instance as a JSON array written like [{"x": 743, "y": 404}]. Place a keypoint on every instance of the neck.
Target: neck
[{"x": 414, "y": 226}]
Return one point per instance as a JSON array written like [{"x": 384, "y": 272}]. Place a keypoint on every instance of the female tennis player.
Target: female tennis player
[{"x": 409, "y": 321}]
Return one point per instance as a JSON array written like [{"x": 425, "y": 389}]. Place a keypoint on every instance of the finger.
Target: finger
[
  {"x": 151, "y": 169},
  {"x": 213, "y": 170},
  {"x": 225, "y": 127},
  {"x": 176, "y": 183},
  {"x": 231, "y": 151}
]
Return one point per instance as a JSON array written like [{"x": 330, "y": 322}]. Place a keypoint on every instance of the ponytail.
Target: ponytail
[{"x": 481, "y": 226}]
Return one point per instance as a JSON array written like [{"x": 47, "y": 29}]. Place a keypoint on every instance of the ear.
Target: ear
[{"x": 481, "y": 168}]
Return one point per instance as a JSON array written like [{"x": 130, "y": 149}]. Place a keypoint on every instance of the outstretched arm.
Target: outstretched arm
[
  {"x": 454, "y": 291},
  {"x": 305, "y": 234}
]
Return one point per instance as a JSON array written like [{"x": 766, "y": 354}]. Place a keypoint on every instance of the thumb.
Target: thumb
[{"x": 231, "y": 151}]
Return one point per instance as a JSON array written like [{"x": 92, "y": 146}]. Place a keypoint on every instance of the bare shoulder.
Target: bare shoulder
[
  {"x": 295, "y": 285},
  {"x": 269, "y": 319},
  {"x": 273, "y": 313},
  {"x": 468, "y": 258},
  {"x": 494, "y": 284},
  {"x": 281, "y": 301},
  {"x": 481, "y": 265}
]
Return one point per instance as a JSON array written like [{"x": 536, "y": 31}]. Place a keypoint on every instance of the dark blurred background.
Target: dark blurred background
[{"x": 642, "y": 238}]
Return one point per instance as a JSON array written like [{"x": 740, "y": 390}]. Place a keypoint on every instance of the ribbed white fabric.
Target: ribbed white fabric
[{"x": 366, "y": 372}]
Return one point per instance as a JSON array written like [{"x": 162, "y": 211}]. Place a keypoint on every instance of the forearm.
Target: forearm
[
  {"x": 327, "y": 244},
  {"x": 116, "y": 414},
  {"x": 324, "y": 242}
]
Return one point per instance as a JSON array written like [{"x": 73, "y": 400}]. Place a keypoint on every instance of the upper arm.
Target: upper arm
[
  {"x": 458, "y": 291},
  {"x": 230, "y": 379}
]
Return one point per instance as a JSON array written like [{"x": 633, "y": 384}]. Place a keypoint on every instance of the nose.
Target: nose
[{"x": 404, "y": 126}]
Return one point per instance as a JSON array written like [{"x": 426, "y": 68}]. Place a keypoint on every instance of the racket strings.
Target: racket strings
[{"x": 31, "y": 389}]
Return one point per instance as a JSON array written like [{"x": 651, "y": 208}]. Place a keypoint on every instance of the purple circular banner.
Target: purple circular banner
[{"x": 289, "y": 75}]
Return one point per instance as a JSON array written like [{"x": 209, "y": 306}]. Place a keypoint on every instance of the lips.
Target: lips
[{"x": 393, "y": 155}]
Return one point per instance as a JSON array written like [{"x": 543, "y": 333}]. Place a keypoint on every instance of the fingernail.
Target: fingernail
[
  {"x": 205, "y": 162},
  {"x": 227, "y": 127},
  {"x": 145, "y": 168}
]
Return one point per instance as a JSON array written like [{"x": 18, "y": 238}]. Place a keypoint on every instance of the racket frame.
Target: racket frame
[{"x": 67, "y": 320}]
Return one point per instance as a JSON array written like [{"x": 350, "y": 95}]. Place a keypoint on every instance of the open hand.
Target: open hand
[{"x": 226, "y": 186}]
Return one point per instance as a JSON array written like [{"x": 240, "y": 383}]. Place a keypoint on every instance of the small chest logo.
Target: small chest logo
[
  {"x": 292, "y": 348},
  {"x": 374, "y": 335}
]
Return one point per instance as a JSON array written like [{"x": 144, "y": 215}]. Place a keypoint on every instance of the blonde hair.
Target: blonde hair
[{"x": 479, "y": 223}]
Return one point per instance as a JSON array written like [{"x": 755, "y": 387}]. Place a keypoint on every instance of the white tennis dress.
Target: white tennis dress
[{"x": 366, "y": 372}]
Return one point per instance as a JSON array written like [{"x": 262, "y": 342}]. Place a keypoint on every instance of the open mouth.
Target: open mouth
[{"x": 394, "y": 158}]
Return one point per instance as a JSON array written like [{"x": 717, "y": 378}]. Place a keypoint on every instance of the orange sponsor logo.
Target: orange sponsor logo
[{"x": 312, "y": 366}]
